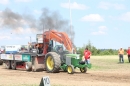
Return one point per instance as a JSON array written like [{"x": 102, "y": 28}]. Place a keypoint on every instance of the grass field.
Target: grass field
[
  {"x": 104, "y": 63},
  {"x": 105, "y": 71}
]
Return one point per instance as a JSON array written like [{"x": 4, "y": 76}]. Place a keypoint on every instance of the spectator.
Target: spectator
[
  {"x": 87, "y": 55},
  {"x": 121, "y": 53},
  {"x": 128, "y": 53}
]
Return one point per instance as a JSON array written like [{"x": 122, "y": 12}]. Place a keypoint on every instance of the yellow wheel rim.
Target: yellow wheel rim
[
  {"x": 50, "y": 63},
  {"x": 82, "y": 70},
  {"x": 70, "y": 69}
]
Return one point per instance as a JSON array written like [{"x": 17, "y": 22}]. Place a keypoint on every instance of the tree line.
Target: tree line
[{"x": 96, "y": 51}]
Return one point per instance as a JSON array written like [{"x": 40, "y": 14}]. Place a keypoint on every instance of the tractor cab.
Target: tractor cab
[{"x": 58, "y": 48}]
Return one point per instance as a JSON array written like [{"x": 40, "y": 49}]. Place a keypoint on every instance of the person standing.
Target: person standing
[
  {"x": 128, "y": 53},
  {"x": 121, "y": 53},
  {"x": 87, "y": 55}
]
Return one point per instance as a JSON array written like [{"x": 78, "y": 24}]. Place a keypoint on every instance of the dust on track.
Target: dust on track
[{"x": 91, "y": 78}]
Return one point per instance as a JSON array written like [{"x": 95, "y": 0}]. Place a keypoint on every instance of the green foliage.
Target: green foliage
[
  {"x": 80, "y": 51},
  {"x": 96, "y": 51}
]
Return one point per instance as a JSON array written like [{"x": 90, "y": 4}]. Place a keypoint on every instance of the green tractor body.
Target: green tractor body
[
  {"x": 73, "y": 61},
  {"x": 60, "y": 58}
]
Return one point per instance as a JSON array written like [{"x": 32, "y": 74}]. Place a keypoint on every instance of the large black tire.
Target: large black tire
[
  {"x": 8, "y": 64},
  {"x": 52, "y": 62},
  {"x": 83, "y": 70},
  {"x": 13, "y": 64},
  {"x": 70, "y": 69},
  {"x": 28, "y": 66},
  {"x": 1, "y": 62}
]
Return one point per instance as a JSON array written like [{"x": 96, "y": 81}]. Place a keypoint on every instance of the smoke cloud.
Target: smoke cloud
[
  {"x": 47, "y": 20},
  {"x": 11, "y": 19}
]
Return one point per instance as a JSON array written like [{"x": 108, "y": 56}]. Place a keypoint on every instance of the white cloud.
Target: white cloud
[
  {"x": 107, "y": 5},
  {"x": 101, "y": 31},
  {"x": 74, "y": 5},
  {"x": 1, "y": 22},
  {"x": 92, "y": 17},
  {"x": 102, "y": 28},
  {"x": 5, "y": 37},
  {"x": 4, "y": 2},
  {"x": 98, "y": 33},
  {"x": 21, "y": 30},
  {"x": 125, "y": 17},
  {"x": 119, "y": 6},
  {"x": 18, "y": 38},
  {"x": 23, "y": 0},
  {"x": 104, "y": 5}
]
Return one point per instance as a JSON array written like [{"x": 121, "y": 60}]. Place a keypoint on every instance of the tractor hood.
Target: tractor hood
[{"x": 77, "y": 56}]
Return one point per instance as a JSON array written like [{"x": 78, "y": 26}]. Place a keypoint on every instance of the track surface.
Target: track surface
[{"x": 91, "y": 78}]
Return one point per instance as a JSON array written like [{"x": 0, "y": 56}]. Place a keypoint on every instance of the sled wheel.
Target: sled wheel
[
  {"x": 13, "y": 65},
  {"x": 8, "y": 64},
  {"x": 28, "y": 66}
]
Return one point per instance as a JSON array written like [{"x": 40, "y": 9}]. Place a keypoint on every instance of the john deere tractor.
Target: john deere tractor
[{"x": 63, "y": 60}]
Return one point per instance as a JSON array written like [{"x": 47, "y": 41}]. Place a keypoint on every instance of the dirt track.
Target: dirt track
[{"x": 91, "y": 78}]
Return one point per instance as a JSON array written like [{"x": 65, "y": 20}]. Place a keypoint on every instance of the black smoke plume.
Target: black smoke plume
[{"x": 47, "y": 20}]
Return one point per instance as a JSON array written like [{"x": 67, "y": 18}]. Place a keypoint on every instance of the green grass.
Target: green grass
[{"x": 108, "y": 63}]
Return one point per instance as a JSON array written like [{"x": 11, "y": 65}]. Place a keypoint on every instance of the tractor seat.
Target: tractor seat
[{"x": 82, "y": 62}]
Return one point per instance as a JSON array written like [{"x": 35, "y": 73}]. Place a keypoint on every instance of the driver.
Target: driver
[{"x": 60, "y": 49}]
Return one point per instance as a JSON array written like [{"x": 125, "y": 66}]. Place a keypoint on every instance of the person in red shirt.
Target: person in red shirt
[
  {"x": 87, "y": 55},
  {"x": 128, "y": 53}
]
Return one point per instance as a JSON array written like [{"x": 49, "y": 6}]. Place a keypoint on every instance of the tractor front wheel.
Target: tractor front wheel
[
  {"x": 83, "y": 70},
  {"x": 70, "y": 69}
]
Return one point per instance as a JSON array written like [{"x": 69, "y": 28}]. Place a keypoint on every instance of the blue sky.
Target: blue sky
[{"x": 105, "y": 23}]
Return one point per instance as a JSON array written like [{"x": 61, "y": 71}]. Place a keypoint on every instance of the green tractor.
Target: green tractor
[
  {"x": 73, "y": 61},
  {"x": 63, "y": 60}
]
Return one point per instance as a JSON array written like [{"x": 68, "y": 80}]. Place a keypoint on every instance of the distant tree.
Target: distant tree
[
  {"x": 96, "y": 51},
  {"x": 80, "y": 51}
]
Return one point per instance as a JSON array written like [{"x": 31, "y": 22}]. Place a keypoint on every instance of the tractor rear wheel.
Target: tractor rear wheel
[
  {"x": 83, "y": 70},
  {"x": 13, "y": 65},
  {"x": 70, "y": 69},
  {"x": 8, "y": 64},
  {"x": 52, "y": 62}
]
